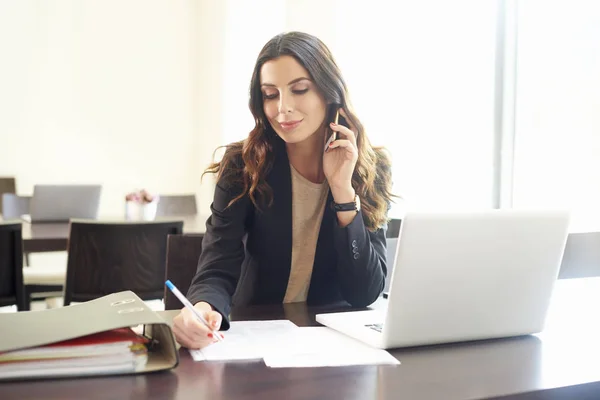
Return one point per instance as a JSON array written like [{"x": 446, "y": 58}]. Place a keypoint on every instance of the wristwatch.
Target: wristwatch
[{"x": 352, "y": 206}]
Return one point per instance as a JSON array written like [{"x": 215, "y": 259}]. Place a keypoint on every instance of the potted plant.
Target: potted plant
[{"x": 140, "y": 206}]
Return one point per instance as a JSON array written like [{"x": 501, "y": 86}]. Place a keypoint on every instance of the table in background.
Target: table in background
[
  {"x": 560, "y": 363},
  {"x": 43, "y": 237}
]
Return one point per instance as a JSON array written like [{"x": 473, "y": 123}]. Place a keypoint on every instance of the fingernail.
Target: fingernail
[
  {"x": 210, "y": 335},
  {"x": 214, "y": 324},
  {"x": 222, "y": 337},
  {"x": 331, "y": 144},
  {"x": 332, "y": 124}
]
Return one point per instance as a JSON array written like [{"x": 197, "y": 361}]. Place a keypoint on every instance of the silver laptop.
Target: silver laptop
[
  {"x": 464, "y": 276},
  {"x": 59, "y": 203}
]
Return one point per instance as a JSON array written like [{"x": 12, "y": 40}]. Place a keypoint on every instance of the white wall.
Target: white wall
[
  {"x": 208, "y": 59},
  {"x": 139, "y": 93},
  {"x": 134, "y": 93},
  {"x": 111, "y": 92}
]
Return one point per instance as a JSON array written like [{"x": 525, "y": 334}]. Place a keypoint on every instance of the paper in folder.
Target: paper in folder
[{"x": 91, "y": 338}]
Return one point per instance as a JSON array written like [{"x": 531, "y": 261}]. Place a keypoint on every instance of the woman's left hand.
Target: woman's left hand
[{"x": 339, "y": 159}]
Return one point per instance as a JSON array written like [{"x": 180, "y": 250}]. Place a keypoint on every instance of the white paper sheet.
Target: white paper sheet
[
  {"x": 247, "y": 340},
  {"x": 324, "y": 347}
]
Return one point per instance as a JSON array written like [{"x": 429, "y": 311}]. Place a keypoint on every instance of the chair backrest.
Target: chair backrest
[
  {"x": 391, "y": 245},
  {"x": 60, "y": 203},
  {"x": 11, "y": 265},
  {"x": 7, "y": 185},
  {"x": 106, "y": 258},
  {"x": 180, "y": 205},
  {"x": 393, "y": 228},
  {"x": 183, "y": 253},
  {"x": 14, "y": 206},
  {"x": 581, "y": 258},
  {"x": 392, "y": 233}
]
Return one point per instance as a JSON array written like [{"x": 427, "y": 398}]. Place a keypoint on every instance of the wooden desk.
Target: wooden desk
[
  {"x": 42, "y": 237},
  {"x": 560, "y": 363}
]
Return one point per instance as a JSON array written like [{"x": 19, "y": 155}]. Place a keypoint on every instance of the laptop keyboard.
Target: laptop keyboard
[{"x": 376, "y": 327}]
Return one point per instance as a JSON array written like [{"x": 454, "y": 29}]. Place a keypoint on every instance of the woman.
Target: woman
[{"x": 294, "y": 217}]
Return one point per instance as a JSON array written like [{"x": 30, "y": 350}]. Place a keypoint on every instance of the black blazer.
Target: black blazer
[{"x": 254, "y": 248}]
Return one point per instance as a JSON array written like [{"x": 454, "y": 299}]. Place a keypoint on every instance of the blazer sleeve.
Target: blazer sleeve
[
  {"x": 223, "y": 252},
  {"x": 361, "y": 264}
]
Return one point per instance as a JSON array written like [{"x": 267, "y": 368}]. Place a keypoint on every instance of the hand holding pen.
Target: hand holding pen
[{"x": 196, "y": 326}]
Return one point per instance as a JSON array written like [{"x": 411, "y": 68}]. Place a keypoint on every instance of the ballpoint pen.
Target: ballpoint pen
[{"x": 189, "y": 305}]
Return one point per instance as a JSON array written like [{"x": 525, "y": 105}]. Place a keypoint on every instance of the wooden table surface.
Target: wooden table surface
[{"x": 560, "y": 363}]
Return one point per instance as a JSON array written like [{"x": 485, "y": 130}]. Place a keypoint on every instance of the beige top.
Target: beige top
[{"x": 308, "y": 206}]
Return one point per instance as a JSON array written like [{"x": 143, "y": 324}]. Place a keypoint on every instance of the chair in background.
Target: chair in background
[
  {"x": 60, "y": 203},
  {"x": 106, "y": 258},
  {"x": 392, "y": 233},
  {"x": 13, "y": 207},
  {"x": 183, "y": 253},
  {"x": 393, "y": 228},
  {"x": 391, "y": 245},
  {"x": 11, "y": 265},
  {"x": 7, "y": 185},
  {"x": 42, "y": 282},
  {"x": 180, "y": 205}
]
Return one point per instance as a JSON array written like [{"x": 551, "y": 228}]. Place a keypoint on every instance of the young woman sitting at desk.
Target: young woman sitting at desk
[{"x": 295, "y": 217}]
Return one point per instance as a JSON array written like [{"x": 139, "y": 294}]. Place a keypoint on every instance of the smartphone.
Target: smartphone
[{"x": 336, "y": 119}]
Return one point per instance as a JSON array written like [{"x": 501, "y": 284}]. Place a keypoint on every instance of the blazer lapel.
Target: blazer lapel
[
  {"x": 279, "y": 217},
  {"x": 324, "y": 267}
]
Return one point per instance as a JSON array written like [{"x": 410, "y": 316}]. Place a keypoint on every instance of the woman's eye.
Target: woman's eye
[
  {"x": 300, "y": 91},
  {"x": 269, "y": 96}
]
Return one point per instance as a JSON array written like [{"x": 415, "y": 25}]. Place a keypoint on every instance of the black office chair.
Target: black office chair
[
  {"x": 183, "y": 253},
  {"x": 11, "y": 265},
  {"x": 105, "y": 258}
]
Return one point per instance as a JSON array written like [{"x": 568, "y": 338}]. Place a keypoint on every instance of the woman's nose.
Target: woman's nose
[{"x": 286, "y": 104}]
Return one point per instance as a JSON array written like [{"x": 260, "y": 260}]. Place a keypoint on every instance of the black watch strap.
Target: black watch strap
[{"x": 343, "y": 206}]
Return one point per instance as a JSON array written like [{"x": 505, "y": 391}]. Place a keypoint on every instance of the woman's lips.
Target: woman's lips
[{"x": 289, "y": 125}]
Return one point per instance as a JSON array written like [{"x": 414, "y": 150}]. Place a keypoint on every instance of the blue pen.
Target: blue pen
[{"x": 189, "y": 305}]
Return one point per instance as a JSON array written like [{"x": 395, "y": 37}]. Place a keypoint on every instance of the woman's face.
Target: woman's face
[{"x": 292, "y": 102}]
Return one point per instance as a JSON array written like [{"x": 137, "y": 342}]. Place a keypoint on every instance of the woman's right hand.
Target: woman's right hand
[{"x": 192, "y": 333}]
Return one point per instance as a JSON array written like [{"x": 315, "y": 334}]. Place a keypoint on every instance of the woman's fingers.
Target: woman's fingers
[
  {"x": 344, "y": 132},
  {"x": 191, "y": 343},
  {"x": 186, "y": 338},
  {"x": 214, "y": 320},
  {"x": 192, "y": 333},
  {"x": 193, "y": 327},
  {"x": 340, "y": 143},
  {"x": 348, "y": 146}
]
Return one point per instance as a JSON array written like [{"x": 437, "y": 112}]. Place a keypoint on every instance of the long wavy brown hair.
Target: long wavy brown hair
[{"x": 249, "y": 161}]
